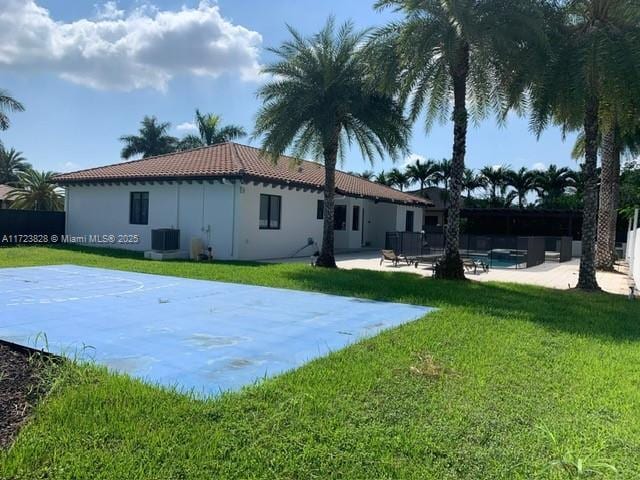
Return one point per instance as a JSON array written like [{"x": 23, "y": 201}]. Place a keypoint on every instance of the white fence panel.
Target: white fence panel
[{"x": 633, "y": 249}]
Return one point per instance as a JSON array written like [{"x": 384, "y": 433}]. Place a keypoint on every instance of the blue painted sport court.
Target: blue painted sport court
[{"x": 195, "y": 335}]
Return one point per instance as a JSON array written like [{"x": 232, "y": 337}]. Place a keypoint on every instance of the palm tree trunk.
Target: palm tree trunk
[
  {"x": 326, "y": 258},
  {"x": 451, "y": 266},
  {"x": 607, "y": 215},
  {"x": 587, "y": 275}
]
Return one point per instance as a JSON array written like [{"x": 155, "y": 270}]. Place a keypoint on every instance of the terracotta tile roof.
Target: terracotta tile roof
[{"x": 238, "y": 161}]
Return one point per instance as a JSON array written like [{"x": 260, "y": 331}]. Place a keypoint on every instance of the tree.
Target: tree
[
  {"x": 383, "y": 179},
  {"x": 472, "y": 181},
  {"x": 630, "y": 189},
  {"x": 8, "y": 104},
  {"x": 398, "y": 179},
  {"x": 366, "y": 174},
  {"x": 616, "y": 141},
  {"x": 496, "y": 183},
  {"x": 442, "y": 175},
  {"x": 210, "y": 132},
  {"x": 321, "y": 98},
  {"x": 552, "y": 183},
  {"x": 36, "y": 191},
  {"x": 591, "y": 69},
  {"x": 12, "y": 163},
  {"x": 423, "y": 172},
  {"x": 465, "y": 51},
  {"x": 152, "y": 139},
  {"x": 522, "y": 181}
]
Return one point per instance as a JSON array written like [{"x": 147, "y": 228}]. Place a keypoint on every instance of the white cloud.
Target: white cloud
[
  {"x": 108, "y": 11},
  {"x": 539, "y": 166},
  {"x": 412, "y": 159},
  {"x": 187, "y": 127},
  {"x": 70, "y": 166},
  {"x": 144, "y": 48}
]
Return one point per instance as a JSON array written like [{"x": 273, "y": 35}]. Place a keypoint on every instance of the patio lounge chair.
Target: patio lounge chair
[
  {"x": 471, "y": 264},
  {"x": 392, "y": 256}
]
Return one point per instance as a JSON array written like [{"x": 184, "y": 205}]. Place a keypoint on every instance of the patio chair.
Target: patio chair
[
  {"x": 471, "y": 264},
  {"x": 391, "y": 256}
]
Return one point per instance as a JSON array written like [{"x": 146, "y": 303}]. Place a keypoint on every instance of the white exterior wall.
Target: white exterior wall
[
  {"x": 226, "y": 217},
  {"x": 297, "y": 223},
  {"x": 198, "y": 210}
]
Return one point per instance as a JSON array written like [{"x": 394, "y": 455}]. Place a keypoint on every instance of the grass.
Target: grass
[{"x": 504, "y": 381}]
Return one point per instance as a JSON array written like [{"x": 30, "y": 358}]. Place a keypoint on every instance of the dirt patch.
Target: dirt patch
[
  {"x": 428, "y": 367},
  {"x": 20, "y": 387}
]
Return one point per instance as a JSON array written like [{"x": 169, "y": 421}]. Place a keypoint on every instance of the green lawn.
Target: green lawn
[{"x": 503, "y": 381}]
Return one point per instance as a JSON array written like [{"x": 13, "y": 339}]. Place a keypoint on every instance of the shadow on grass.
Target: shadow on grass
[{"x": 598, "y": 314}]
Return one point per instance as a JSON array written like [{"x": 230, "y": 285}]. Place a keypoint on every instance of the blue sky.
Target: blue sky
[{"x": 88, "y": 72}]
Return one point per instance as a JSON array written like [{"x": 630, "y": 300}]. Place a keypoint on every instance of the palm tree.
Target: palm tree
[
  {"x": 616, "y": 141},
  {"x": 383, "y": 179},
  {"x": 367, "y": 175},
  {"x": 522, "y": 181},
  {"x": 8, "y": 104},
  {"x": 36, "y": 192},
  {"x": 592, "y": 69},
  {"x": 442, "y": 175},
  {"x": 496, "y": 183},
  {"x": 457, "y": 52},
  {"x": 552, "y": 183},
  {"x": 210, "y": 132},
  {"x": 398, "y": 179},
  {"x": 422, "y": 172},
  {"x": 321, "y": 99},
  {"x": 472, "y": 181},
  {"x": 152, "y": 139},
  {"x": 12, "y": 163}
]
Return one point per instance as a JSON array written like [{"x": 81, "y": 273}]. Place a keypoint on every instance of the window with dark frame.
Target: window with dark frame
[
  {"x": 139, "y": 208},
  {"x": 270, "y": 212},
  {"x": 340, "y": 217},
  {"x": 320, "y": 210},
  {"x": 355, "y": 218},
  {"x": 408, "y": 223}
]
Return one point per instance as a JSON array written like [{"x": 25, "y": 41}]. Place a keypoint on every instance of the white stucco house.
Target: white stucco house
[{"x": 236, "y": 200}]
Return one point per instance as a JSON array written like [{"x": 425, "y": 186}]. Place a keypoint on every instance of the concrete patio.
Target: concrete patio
[{"x": 561, "y": 276}]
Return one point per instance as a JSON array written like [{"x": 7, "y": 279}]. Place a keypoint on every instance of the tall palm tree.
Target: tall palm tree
[
  {"x": 36, "y": 192},
  {"x": 152, "y": 139},
  {"x": 210, "y": 132},
  {"x": 616, "y": 141},
  {"x": 495, "y": 183},
  {"x": 471, "y": 181},
  {"x": 12, "y": 163},
  {"x": 398, "y": 179},
  {"x": 463, "y": 52},
  {"x": 552, "y": 183},
  {"x": 8, "y": 104},
  {"x": 383, "y": 179},
  {"x": 522, "y": 181},
  {"x": 442, "y": 175},
  {"x": 423, "y": 172},
  {"x": 592, "y": 68},
  {"x": 322, "y": 98}
]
